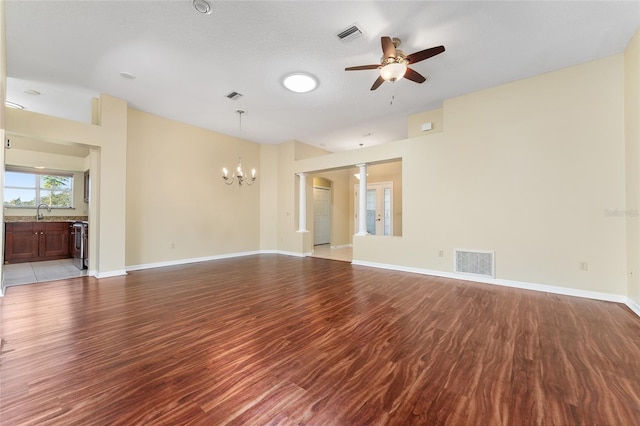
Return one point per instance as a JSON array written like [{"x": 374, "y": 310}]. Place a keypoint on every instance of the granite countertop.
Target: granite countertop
[{"x": 46, "y": 218}]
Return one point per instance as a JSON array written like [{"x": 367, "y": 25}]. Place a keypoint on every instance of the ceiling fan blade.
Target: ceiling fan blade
[
  {"x": 425, "y": 54},
  {"x": 363, "y": 67},
  {"x": 414, "y": 76},
  {"x": 377, "y": 83},
  {"x": 388, "y": 47}
]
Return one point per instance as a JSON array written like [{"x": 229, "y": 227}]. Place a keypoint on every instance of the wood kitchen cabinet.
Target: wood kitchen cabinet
[{"x": 34, "y": 241}]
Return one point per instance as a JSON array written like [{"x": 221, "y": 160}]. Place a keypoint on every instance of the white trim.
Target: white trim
[
  {"x": 633, "y": 306},
  {"x": 208, "y": 258},
  {"x": 342, "y": 246},
  {"x": 507, "y": 283},
  {"x": 109, "y": 274},
  {"x": 284, "y": 253},
  {"x": 191, "y": 260}
]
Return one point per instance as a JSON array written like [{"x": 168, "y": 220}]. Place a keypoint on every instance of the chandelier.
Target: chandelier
[{"x": 239, "y": 175}]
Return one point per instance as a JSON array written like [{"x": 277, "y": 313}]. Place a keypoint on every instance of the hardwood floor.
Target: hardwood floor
[{"x": 272, "y": 339}]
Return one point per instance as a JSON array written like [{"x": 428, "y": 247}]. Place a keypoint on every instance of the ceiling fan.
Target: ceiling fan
[{"x": 394, "y": 63}]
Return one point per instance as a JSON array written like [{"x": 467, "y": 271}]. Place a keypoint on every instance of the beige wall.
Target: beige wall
[
  {"x": 268, "y": 175},
  {"x": 527, "y": 169},
  {"x": 415, "y": 122},
  {"x": 178, "y": 206},
  {"x": 632, "y": 138}
]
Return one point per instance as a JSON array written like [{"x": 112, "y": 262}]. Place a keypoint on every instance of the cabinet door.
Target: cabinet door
[
  {"x": 55, "y": 240},
  {"x": 72, "y": 239},
  {"x": 21, "y": 242}
]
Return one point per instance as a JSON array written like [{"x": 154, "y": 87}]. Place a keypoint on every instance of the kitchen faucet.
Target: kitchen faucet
[{"x": 40, "y": 216}]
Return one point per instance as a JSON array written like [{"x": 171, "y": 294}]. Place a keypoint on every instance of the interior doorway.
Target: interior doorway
[
  {"x": 31, "y": 155},
  {"x": 379, "y": 207},
  {"x": 321, "y": 215}
]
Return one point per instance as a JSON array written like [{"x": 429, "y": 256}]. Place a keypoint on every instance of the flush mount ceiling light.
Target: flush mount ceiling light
[
  {"x": 13, "y": 105},
  {"x": 32, "y": 92},
  {"x": 300, "y": 82},
  {"x": 202, "y": 6},
  {"x": 127, "y": 75}
]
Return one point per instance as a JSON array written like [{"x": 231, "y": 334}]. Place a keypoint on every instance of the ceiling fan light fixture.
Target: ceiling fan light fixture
[
  {"x": 393, "y": 71},
  {"x": 300, "y": 82}
]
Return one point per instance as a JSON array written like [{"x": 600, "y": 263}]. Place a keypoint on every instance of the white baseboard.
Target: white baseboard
[
  {"x": 633, "y": 306},
  {"x": 108, "y": 274},
  {"x": 509, "y": 283},
  {"x": 284, "y": 253},
  {"x": 342, "y": 246},
  {"x": 191, "y": 260}
]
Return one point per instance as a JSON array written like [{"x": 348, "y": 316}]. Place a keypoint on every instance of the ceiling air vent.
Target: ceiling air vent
[
  {"x": 349, "y": 34},
  {"x": 234, "y": 95}
]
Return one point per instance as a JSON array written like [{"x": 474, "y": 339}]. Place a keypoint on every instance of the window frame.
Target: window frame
[{"x": 37, "y": 174}]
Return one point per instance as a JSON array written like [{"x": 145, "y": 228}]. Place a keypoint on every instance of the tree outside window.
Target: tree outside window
[{"x": 23, "y": 189}]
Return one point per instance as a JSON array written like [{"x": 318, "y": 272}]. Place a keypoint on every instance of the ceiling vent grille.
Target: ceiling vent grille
[
  {"x": 234, "y": 96},
  {"x": 475, "y": 262},
  {"x": 349, "y": 34}
]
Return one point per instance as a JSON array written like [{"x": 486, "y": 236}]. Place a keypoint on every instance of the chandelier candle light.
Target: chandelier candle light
[{"x": 239, "y": 175}]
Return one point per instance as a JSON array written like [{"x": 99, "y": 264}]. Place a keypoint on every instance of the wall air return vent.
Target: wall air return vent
[
  {"x": 349, "y": 34},
  {"x": 234, "y": 96},
  {"x": 475, "y": 262}
]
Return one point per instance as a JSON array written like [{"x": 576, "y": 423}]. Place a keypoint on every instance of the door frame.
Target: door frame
[
  {"x": 323, "y": 188},
  {"x": 374, "y": 185}
]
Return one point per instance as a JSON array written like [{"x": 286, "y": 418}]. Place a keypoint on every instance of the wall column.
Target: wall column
[
  {"x": 302, "y": 210},
  {"x": 362, "y": 201}
]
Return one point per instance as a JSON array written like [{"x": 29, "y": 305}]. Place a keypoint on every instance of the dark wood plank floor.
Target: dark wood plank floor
[{"x": 272, "y": 339}]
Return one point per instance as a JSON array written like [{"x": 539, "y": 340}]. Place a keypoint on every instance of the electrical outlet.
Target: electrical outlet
[
  {"x": 584, "y": 266},
  {"x": 440, "y": 253}
]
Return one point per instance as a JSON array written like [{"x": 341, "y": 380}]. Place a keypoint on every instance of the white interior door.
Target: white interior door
[
  {"x": 321, "y": 215},
  {"x": 379, "y": 208}
]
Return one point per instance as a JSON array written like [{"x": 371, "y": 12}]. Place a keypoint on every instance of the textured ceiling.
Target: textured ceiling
[{"x": 186, "y": 62}]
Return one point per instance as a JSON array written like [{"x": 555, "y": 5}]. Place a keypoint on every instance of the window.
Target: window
[{"x": 29, "y": 189}]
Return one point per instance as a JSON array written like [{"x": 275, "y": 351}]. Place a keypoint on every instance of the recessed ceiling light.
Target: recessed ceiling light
[
  {"x": 202, "y": 6},
  {"x": 13, "y": 105},
  {"x": 300, "y": 82},
  {"x": 32, "y": 92},
  {"x": 127, "y": 75}
]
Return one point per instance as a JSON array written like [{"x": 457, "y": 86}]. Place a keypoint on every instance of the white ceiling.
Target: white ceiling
[{"x": 186, "y": 62}]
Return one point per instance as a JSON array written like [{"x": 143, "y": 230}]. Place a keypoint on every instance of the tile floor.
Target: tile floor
[
  {"x": 325, "y": 251},
  {"x": 35, "y": 272}
]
